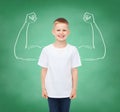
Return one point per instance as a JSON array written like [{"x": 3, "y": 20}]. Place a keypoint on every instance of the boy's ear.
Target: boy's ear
[
  {"x": 53, "y": 31},
  {"x": 68, "y": 32}
]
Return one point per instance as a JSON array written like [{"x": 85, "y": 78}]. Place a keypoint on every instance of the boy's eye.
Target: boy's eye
[{"x": 60, "y": 30}]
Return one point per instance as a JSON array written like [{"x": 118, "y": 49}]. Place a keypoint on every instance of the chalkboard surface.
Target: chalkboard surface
[{"x": 25, "y": 28}]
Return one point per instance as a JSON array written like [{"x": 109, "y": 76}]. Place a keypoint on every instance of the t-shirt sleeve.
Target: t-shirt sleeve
[
  {"x": 43, "y": 61},
  {"x": 76, "y": 61}
]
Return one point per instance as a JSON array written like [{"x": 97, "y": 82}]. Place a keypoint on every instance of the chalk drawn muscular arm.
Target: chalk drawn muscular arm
[
  {"x": 97, "y": 42},
  {"x": 21, "y": 43}
]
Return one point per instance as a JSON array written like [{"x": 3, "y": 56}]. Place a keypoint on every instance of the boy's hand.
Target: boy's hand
[
  {"x": 31, "y": 17},
  {"x": 44, "y": 93},
  {"x": 88, "y": 17},
  {"x": 73, "y": 94}
]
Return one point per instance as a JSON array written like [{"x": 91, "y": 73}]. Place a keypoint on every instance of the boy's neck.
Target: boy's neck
[{"x": 60, "y": 44}]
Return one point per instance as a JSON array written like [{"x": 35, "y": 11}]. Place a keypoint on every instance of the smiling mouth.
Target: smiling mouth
[{"x": 61, "y": 36}]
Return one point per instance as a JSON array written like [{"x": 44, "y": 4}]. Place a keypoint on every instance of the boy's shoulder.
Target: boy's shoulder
[
  {"x": 47, "y": 46},
  {"x": 72, "y": 46}
]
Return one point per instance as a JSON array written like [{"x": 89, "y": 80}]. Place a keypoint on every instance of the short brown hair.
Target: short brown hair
[{"x": 61, "y": 20}]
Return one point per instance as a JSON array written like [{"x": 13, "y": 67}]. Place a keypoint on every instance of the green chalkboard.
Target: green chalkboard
[{"x": 25, "y": 28}]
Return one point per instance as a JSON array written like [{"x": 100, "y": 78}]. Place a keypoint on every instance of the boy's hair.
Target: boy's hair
[{"x": 61, "y": 20}]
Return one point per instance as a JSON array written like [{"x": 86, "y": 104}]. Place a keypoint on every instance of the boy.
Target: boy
[{"x": 59, "y": 62}]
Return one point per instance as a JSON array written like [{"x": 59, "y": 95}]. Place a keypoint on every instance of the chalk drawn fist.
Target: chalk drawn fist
[
  {"x": 31, "y": 18},
  {"x": 88, "y": 17}
]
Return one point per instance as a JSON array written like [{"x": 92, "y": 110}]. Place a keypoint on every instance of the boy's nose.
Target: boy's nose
[{"x": 61, "y": 32}]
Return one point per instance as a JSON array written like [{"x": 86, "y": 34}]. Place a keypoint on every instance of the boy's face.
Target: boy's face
[{"x": 60, "y": 31}]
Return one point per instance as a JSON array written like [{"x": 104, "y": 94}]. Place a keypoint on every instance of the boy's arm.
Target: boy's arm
[
  {"x": 74, "y": 82},
  {"x": 43, "y": 76}
]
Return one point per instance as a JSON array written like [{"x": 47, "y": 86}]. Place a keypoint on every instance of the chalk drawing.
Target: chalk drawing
[
  {"x": 31, "y": 18},
  {"x": 89, "y": 18}
]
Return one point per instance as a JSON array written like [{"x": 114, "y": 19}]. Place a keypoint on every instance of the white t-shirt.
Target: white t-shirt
[{"x": 59, "y": 62}]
